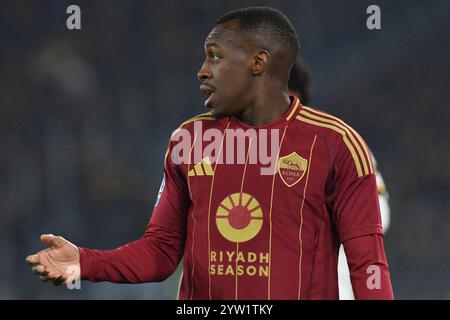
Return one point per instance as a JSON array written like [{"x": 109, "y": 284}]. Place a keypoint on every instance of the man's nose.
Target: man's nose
[{"x": 204, "y": 73}]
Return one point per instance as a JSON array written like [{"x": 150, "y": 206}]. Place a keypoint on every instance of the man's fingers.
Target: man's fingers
[
  {"x": 54, "y": 275},
  {"x": 39, "y": 269},
  {"x": 58, "y": 281},
  {"x": 51, "y": 240},
  {"x": 45, "y": 276},
  {"x": 33, "y": 259}
]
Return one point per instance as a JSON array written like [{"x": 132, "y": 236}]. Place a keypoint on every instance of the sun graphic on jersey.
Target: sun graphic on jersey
[{"x": 239, "y": 217}]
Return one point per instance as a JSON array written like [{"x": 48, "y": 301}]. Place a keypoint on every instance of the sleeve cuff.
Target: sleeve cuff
[
  {"x": 360, "y": 232},
  {"x": 85, "y": 263}
]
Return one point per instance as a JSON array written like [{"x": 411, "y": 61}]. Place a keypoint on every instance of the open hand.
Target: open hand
[{"x": 56, "y": 263}]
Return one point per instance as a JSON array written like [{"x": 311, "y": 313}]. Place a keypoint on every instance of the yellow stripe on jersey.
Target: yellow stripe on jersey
[
  {"x": 344, "y": 125},
  {"x": 367, "y": 168},
  {"x": 203, "y": 116},
  {"x": 344, "y": 136},
  {"x": 293, "y": 110},
  {"x": 206, "y": 115}
]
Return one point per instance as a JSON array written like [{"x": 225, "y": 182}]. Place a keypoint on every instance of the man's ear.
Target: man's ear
[{"x": 259, "y": 62}]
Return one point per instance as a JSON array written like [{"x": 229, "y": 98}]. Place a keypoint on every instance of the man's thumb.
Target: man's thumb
[{"x": 52, "y": 240}]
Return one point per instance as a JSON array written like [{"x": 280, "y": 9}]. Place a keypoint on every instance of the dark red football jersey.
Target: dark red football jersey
[{"x": 255, "y": 212}]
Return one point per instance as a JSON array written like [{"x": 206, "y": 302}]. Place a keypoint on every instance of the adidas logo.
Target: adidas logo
[{"x": 203, "y": 168}]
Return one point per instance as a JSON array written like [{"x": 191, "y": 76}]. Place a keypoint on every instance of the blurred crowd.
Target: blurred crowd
[{"x": 85, "y": 117}]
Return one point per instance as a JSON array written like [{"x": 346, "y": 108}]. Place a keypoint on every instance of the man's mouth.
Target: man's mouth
[
  {"x": 209, "y": 91},
  {"x": 206, "y": 89}
]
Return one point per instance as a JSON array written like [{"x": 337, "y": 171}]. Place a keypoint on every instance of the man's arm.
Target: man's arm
[
  {"x": 152, "y": 258},
  {"x": 345, "y": 285},
  {"x": 355, "y": 207},
  {"x": 369, "y": 271}
]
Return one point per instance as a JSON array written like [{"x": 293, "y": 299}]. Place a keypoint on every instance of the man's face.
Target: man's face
[{"x": 225, "y": 73}]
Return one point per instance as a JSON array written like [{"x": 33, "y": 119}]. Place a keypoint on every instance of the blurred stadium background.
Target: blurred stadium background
[{"x": 85, "y": 117}]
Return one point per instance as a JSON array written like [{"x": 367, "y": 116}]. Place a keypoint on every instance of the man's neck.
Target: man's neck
[{"x": 266, "y": 109}]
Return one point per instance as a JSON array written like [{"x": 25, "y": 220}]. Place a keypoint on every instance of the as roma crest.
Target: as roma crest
[{"x": 292, "y": 168}]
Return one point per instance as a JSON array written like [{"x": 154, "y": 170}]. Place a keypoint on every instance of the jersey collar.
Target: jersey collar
[{"x": 288, "y": 116}]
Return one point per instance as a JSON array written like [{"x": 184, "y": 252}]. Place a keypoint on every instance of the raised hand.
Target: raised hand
[{"x": 57, "y": 263}]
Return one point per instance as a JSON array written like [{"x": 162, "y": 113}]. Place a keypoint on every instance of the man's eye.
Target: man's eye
[{"x": 214, "y": 57}]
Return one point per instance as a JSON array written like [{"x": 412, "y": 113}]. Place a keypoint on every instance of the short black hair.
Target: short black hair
[
  {"x": 268, "y": 26},
  {"x": 300, "y": 81}
]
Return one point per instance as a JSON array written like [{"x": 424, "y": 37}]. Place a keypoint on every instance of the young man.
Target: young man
[
  {"x": 300, "y": 86},
  {"x": 250, "y": 225}
]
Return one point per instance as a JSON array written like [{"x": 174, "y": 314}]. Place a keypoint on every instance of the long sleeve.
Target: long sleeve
[
  {"x": 157, "y": 253},
  {"x": 356, "y": 212},
  {"x": 152, "y": 258},
  {"x": 369, "y": 271}
]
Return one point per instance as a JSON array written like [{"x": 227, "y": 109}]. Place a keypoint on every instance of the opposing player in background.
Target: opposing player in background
[
  {"x": 300, "y": 84},
  {"x": 258, "y": 226}
]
